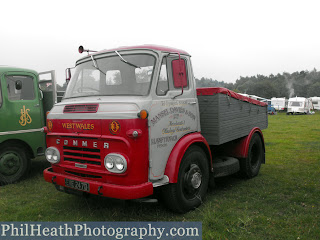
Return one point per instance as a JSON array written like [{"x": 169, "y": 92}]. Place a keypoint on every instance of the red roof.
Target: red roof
[
  {"x": 148, "y": 46},
  {"x": 212, "y": 91}
]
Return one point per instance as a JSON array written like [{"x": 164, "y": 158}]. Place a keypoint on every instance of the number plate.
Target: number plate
[{"x": 77, "y": 185}]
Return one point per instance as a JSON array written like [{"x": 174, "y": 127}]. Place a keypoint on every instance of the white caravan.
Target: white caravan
[
  {"x": 279, "y": 103},
  {"x": 316, "y": 102},
  {"x": 299, "y": 105}
]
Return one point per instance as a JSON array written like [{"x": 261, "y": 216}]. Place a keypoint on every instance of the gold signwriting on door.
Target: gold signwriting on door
[{"x": 25, "y": 117}]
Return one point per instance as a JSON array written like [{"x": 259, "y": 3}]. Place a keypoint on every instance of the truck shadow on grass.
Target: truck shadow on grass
[
  {"x": 227, "y": 183},
  {"x": 96, "y": 208},
  {"x": 37, "y": 166},
  {"x": 92, "y": 207}
]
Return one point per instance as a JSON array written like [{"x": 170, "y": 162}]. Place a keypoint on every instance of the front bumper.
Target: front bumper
[{"x": 103, "y": 189}]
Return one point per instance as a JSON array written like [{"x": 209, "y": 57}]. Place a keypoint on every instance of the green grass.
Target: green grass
[{"x": 282, "y": 202}]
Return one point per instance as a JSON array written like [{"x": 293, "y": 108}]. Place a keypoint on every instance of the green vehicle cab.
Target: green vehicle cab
[{"x": 24, "y": 101}]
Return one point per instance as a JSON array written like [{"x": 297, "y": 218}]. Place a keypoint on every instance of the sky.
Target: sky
[{"x": 226, "y": 39}]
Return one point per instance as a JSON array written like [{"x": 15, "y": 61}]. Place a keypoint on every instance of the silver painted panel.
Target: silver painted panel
[{"x": 169, "y": 120}]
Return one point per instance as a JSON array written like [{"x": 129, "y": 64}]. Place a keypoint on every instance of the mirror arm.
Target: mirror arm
[
  {"x": 179, "y": 94},
  {"x": 68, "y": 74}
]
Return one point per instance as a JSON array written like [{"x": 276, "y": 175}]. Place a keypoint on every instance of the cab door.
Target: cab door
[
  {"x": 21, "y": 104},
  {"x": 47, "y": 86},
  {"x": 173, "y": 111}
]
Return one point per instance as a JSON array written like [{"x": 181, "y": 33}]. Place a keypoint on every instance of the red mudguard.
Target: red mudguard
[
  {"x": 173, "y": 164},
  {"x": 240, "y": 148}
]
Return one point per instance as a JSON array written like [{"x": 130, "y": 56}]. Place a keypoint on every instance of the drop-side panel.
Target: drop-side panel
[{"x": 224, "y": 118}]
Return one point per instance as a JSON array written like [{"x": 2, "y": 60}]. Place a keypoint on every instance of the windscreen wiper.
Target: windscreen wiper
[
  {"x": 95, "y": 65},
  {"x": 125, "y": 61}
]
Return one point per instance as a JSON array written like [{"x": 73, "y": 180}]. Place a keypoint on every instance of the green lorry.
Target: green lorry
[{"x": 25, "y": 98}]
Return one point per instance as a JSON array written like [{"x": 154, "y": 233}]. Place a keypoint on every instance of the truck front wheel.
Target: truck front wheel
[
  {"x": 191, "y": 187},
  {"x": 13, "y": 164},
  {"x": 250, "y": 166}
]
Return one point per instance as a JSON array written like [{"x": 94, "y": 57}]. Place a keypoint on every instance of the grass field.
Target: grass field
[{"x": 282, "y": 202}]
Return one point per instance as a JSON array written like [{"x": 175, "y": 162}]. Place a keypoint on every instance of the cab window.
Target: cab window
[
  {"x": 165, "y": 81},
  {"x": 163, "y": 84},
  {"x": 20, "y": 87}
]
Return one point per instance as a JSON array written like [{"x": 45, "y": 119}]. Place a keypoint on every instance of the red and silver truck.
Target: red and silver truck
[{"x": 132, "y": 122}]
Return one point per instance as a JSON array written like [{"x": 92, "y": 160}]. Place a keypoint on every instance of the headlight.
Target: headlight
[
  {"x": 115, "y": 163},
  {"x": 52, "y": 155}
]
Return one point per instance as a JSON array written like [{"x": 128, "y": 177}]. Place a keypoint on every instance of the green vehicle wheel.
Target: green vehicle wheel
[{"x": 13, "y": 164}]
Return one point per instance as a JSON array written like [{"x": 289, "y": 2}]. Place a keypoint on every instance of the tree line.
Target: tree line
[{"x": 301, "y": 84}]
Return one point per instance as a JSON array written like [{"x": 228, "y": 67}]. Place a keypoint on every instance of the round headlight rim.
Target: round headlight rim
[
  {"x": 52, "y": 152},
  {"x": 112, "y": 157}
]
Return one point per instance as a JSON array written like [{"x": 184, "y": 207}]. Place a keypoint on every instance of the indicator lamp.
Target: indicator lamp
[{"x": 143, "y": 114}]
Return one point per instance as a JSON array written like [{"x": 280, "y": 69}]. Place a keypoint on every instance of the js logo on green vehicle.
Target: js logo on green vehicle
[{"x": 25, "y": 117}]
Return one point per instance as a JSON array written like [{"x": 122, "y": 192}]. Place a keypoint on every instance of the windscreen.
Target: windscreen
[{"x": 112, "y": 76}]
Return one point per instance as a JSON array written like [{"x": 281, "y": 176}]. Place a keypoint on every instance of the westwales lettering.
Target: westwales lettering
[{"x": 84, "y": 126}]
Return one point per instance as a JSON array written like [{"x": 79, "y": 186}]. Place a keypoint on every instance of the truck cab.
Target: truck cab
[
  {"x": 22, "y": 117},
  {"x": 129, "y": 123}
]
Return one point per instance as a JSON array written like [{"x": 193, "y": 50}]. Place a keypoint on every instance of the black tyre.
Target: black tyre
[
  {"x": 250, "y": 166},
  {"x": 13, "y": 164},
  {"x": 193, "y": 178}
]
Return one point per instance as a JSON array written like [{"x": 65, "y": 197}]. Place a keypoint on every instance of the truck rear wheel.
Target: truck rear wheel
[
  {"x": 13, "y": 164},
  {"x": 191, "y": 187},
  {"x": 250, "y": 166}
]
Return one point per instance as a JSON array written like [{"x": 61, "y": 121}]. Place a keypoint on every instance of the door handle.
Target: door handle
[
  {"x": 37, "y": 105},
  {"x": 192, "y": 103}
]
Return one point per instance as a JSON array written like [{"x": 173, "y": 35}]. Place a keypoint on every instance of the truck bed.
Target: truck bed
[{"x": 226, "y": 115}]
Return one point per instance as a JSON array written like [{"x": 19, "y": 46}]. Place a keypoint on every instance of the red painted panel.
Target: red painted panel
[
  {"x": 213, "y": 91},
  {"x": 240, "y": 148},
  {"x": 64, "y": 136},
  {"x": 151, "y": 47},
  {"x": 107, "y": 190},
  {"x": 173, "y": 164},
  {"x": 74, "y": 126}
]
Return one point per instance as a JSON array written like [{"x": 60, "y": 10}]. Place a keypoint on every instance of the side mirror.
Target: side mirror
[
  {"x": 179, "y": 73},
  {"x": 68, "y": 75},
  {"x": 18, "y": 85}
]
